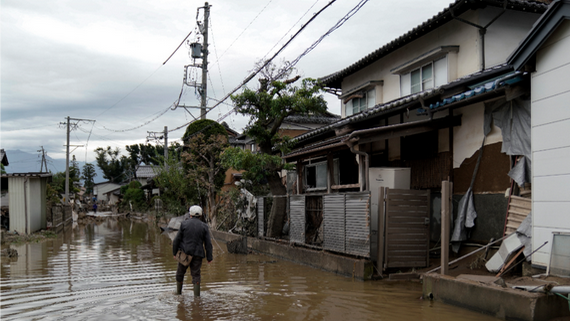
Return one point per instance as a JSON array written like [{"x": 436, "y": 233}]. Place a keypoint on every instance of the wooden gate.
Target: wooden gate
[{"x": 407, "y": 228}]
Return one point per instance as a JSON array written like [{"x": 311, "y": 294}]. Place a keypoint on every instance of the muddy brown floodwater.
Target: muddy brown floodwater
[{"x": 123, "y": 270}]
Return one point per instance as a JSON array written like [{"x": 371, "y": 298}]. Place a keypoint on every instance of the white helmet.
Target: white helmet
[{"x": 195, "y": 210}]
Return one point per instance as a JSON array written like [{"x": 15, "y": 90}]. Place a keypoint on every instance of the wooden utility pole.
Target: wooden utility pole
[{"x": 446, "y": 194}]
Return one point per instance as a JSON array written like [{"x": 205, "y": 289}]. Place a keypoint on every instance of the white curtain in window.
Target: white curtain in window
[
  {"x": 440, "y": 71},
  {"x": 371, "y": 98},
  {"x": 348, "y": 108},
  {"x": 405, "y": 84}
]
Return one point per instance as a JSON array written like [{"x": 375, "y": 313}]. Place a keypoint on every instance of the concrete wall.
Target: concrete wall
[
  {"x": 550, "y": 129},
  {"x": 343, "y": 265},
  {"x": 503, "y": 303}
]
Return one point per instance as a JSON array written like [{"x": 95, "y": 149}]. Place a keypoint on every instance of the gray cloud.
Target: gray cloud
[{"x": 87, "y": 59}]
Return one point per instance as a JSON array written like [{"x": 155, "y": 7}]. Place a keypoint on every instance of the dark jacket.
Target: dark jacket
[{"x": 192, "y": 237}]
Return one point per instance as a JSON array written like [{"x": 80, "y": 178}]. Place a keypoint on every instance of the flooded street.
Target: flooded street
[{"x": 123, "y": 270}]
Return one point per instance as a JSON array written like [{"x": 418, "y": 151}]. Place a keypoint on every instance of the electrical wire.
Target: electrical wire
[
  {"x": 120, "y": 100},
  {"x": 253, "y": 74},
  {"x": 142, "y": 125},
  {"x": 17, "y": 129},
  {"x": 293, "y": 26},
  {"x": 242, "y": 32}
]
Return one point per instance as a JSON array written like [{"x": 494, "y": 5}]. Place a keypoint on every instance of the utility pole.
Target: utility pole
[
  {"x": 66, "y": 198},
  {"x": 199, "y": 51},
  {"x": 204, "y": 31},
  {"x": 166, "y": 147},
  {"x": 44, "y": 161},
  {"x": 69, "y": 128},
  {"x": 164, "y": 135}
]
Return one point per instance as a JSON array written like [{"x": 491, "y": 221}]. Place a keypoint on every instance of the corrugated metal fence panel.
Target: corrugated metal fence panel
[
  {"x": 260, "y": 216},
  {"x": 297, "y": 218},
  {"x": 17, "y": 204},
  {"x": 407, "y": 228},
  {"x": 334, "y": 222},
  {"x": 358, "y": 224}
]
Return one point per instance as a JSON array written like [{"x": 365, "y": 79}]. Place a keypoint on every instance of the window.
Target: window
[
  {"x": 358, "y": 104},
  {"x": 316, "y": 175},
  {"x": 428, "y": 76}
]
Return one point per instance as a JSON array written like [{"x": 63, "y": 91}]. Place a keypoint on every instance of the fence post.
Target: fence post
[{"x": 445, "y": 220}]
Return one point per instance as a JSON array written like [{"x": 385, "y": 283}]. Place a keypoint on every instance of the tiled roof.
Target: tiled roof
[
  {"x": 324, "y": 118},
  {"x": 458, "y": 7},
  {"x": 145, "y": 171},
  {"x": 484, "y": 75},
  {"x": 508, "y": 79}
]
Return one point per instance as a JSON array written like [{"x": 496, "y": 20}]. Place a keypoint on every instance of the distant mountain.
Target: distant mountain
[{"x": 23, "y": 162}]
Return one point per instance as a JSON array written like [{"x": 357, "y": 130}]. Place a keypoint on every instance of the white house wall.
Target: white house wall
[
  {"x": 515, "y": 24},
  {"x": 501, "y": 39},
  {"x": 453, "y": 33},
  {"x": 550, "y": 94},
  {"x": 468, "y": 137}
]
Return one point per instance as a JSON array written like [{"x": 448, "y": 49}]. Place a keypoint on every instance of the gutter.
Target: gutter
[
  {"x": 482, "y": 30},
  {"x": 364, "y": 177}
]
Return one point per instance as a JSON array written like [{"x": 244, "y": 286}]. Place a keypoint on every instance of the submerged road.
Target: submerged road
[{"x": 123, "y": 270}]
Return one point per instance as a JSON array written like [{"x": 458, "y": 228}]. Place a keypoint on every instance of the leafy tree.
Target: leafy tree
[
  {"x": 2, "y": 169},
  {"x": 74, "y": 172},
  {"x": 176, "y": 192},
  {"x": 205, "y": 141},
  {"x": 141, "y": 153},
  {"x": 133, "y": 195},
  {"x": 113, "y": 165},
  {"x": 267, "y": 107},
  {"x": 88, "y": 176}
]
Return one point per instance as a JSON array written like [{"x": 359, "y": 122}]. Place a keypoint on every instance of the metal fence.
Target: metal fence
[{"x": 345, "y": 219}]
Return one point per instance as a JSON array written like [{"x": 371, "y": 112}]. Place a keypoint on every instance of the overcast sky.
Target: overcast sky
[{"x": 102, "y": 60}]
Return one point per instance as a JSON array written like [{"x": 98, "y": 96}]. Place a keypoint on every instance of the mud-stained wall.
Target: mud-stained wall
[
  {"x": 468, "y": 137},
  {"x": 492, "y": 174},
  {"x": 490, "y": 222}
]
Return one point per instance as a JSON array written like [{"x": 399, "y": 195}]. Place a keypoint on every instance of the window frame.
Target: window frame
[
  {"x": 364, "y": 102},
  {"x": 336, "y": 175}
]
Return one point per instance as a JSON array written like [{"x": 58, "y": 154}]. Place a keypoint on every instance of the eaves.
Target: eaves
[{"x": 456, "y": 8}]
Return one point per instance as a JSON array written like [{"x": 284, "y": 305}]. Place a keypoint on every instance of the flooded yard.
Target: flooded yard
[{"x": 124, "y": 270}]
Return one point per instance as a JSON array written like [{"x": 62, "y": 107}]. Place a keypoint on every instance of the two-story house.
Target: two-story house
[{"x": 439, "y": 101}]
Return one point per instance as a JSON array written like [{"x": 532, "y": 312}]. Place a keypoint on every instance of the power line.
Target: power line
[
  {"x": 284, "y": 35},
  {"x": 139, "y": 126},
  {"x": 244, "y": 30},
  {"x": 115, "y": 104},
  {"x": 253, "y": 74}
]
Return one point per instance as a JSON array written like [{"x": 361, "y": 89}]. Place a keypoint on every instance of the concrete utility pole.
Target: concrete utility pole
[
  {"x": 44, "y": 161},
  {"x": 199, "y": 51},
  {"x": 68, "y": 125},
  {"x": 66, "y": 198},
  {"x": 154, "y": 136},
  {"x": 165, "y": 146},
  {"x": 204, "y": 31}
]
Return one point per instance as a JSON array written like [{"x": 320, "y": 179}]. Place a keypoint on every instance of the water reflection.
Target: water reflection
[{"x": 121, "y": 269}]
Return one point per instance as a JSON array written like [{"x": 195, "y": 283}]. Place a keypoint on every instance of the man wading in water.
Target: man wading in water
[{"x": 192, "y": 237}]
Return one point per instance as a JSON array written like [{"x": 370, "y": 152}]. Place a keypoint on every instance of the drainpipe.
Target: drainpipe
[
  {"x": 482, "y": 31},
  {"x": 363, "y": 176}
]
